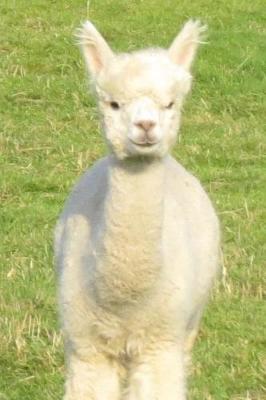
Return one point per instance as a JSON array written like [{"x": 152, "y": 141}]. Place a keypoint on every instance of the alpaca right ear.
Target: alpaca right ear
[
  {"x": 183, "y": 49},
  {"x": 95, "y": 50}
]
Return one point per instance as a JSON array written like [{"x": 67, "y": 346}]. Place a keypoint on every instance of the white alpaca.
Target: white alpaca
[{"x": 137, "y": 243}]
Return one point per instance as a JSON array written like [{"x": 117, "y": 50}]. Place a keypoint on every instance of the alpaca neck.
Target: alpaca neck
[
  {"x": 135, "y": 200},
  {"x": 131, "y": 238}
]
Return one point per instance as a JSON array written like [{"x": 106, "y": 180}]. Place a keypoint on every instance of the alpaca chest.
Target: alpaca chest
[
  {"x": 129, "y": 261},
  {"x": 129, "y": 256}
]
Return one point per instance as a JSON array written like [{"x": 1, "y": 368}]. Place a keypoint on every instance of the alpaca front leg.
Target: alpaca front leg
[
  {"x": 95, "y": 379},
  {"x": 158, "y": 376}
]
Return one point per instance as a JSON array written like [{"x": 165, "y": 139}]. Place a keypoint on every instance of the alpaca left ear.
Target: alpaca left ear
[
  {"x": 184, "y": 47},
  {"x": 95, "y": 49}
]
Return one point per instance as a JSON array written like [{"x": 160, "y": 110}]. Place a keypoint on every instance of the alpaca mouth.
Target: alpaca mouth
[{"x": 144, "y": 144}]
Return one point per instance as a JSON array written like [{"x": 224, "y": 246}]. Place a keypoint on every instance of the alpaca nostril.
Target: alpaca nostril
[{"x": 146, "y": 125}]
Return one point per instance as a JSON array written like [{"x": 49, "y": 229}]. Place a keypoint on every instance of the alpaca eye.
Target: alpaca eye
[
  {"x": 170, "y": 105},
  {"x": 114, "y": 105}
]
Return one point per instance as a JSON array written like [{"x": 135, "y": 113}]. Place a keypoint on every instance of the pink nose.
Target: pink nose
[{"x": 146, "y": 125}]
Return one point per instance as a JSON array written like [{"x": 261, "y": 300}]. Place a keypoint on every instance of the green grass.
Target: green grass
[{"x": 49, "y": 135}]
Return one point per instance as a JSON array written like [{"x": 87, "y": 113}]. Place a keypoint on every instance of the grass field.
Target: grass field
[{"x": 50, "y": 134}]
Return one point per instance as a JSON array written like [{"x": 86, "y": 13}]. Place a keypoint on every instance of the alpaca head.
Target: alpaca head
[{"x": 141, "y": 93}]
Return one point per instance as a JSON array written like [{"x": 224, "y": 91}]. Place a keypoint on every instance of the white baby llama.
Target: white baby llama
[{"x": 137, "y": 243}]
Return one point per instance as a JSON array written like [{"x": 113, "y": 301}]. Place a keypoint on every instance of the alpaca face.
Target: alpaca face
[
  {"x": 142, "y": 126},
  {"x": 140, "y": 97},
  {"x": 140, "y": 94}
]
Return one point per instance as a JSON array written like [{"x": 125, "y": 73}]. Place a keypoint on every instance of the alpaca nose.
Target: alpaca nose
[{"x": 146, "y": 125}]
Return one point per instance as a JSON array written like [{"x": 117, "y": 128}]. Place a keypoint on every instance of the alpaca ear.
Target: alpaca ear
[
  {"x": 95, "y": 50},
  {"x": 183, "y": 49}
]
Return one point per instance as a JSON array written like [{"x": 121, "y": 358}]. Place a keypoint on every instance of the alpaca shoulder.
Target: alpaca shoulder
[
  {"x": 90, "y": 188},
  {"x": 187, "y": 190},
  {"x": 82, "y": 204}
]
